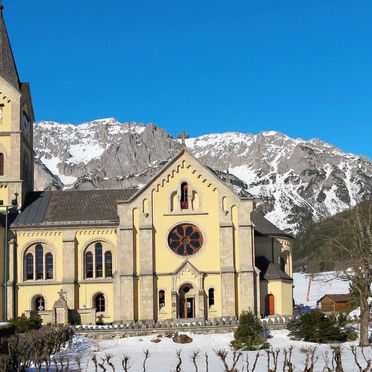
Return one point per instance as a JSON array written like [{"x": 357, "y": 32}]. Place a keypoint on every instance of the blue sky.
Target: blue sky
[{"x": 303, "y": 68}]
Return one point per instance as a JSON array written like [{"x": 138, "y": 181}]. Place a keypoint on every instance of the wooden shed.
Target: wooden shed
[{"x": 334, "y": 303}]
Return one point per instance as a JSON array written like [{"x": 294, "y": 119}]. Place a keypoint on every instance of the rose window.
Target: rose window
[{"x": 185, "y": 239}]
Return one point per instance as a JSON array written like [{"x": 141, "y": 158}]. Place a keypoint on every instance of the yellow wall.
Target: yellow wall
[
  {"x": 147, "y": 221},
  {"x": 282, "y": 292},
  {"x": 2, "y": 230},
  {"x": 52, "y": 241},
  {"x": 207, "y": 219}
]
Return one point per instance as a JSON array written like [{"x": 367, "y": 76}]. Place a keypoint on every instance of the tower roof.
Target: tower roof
[{"x": 8, "y": 69}]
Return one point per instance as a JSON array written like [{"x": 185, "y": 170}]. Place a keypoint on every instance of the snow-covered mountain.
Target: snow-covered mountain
[{"x": 298, "y": 181}]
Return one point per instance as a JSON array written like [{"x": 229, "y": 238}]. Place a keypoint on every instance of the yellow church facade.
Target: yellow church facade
[{"x": 186, "y": 246}]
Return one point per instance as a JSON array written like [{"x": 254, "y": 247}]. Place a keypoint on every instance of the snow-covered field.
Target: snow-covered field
[{"x": 163, "y": 354}]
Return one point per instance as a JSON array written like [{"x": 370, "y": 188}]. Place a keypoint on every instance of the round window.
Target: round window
[{"x": 185, "y": 239}]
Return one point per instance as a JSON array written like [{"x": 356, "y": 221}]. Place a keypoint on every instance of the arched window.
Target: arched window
[
  {"x": 282, "y": 263},
  {"x": 99, "y": 302},
  {"x": 89, "y": 265},
  {"x": 29, "y": 266},
  {"x": 39, "y": 261},
  {"x": 108, "y": 264},
  {"x": 99, "y": 263},
  {"x": 39, "y": 303},
  {"x": 184, "y": 196},
  {"x": 48, "y": 266},
  {"x": 161, "y": 299},
  {"x": 211, "y": 297},
  {"x": 1, "y": 164}
]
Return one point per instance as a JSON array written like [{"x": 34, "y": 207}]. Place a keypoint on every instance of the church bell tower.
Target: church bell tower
[{"x": 16, "y": 126}]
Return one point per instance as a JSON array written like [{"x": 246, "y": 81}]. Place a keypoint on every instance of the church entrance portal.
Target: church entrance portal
[{"x": 186, "y": 304}]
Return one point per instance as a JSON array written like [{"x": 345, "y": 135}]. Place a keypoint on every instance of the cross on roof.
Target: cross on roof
[
  {"x": 183, "y": 135},
  {"x": 61, "y": 293}
]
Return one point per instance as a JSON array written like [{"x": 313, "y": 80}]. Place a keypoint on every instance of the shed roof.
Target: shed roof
[{"x": 338, "y": 298}]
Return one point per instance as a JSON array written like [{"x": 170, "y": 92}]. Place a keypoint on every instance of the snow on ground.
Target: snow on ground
[
  {"x": 321, "y": 284},
  {"x": 163, "y": 354}
]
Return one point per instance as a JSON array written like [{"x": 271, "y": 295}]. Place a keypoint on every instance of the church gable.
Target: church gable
[{"x": 184, "y": 163}]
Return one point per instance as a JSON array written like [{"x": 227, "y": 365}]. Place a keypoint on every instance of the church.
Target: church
[{"x": 185, "y": 246}]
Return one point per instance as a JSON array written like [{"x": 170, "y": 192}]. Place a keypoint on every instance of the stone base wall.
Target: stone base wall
[{"x": 221, "y": 325}]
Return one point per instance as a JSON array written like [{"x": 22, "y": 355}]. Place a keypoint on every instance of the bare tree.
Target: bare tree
[
  {"x": 337, "y": 357},
  {"x": 310, "y": 358},
  {"x": 147, "y": 356},
  {"x": 287, "y": 364},
  {"x": 179, "y": 361},
  {"x": 368, "y": 362},
  {"x": 348, "y": 237},
  {"x": 125, "y": 363},
  {"x": 223, "y": 354},
  {"x": 194, "y": 356},
  {"x": 274, "y": 354}
]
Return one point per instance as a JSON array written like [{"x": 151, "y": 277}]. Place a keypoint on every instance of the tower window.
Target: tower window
[
  {"x": 1, "y": 164},
  {"x": 184, "y": 195}
]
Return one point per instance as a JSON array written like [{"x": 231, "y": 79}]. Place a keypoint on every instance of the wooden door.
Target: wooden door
[{"x": 270, "y": 305}]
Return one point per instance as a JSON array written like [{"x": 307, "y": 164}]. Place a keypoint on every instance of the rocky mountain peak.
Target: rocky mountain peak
[{"x": 298, "y": 181}]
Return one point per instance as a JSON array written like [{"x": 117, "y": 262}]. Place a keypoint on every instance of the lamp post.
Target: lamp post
[
  {"x": 6, "y": 265},
  {"x": 8, "y": 208}
]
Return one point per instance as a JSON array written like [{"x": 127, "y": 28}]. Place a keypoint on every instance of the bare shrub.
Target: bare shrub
[
  {"x": 310, "y": 359},
  {"x": 179, "y": 361},
  {"x": 326, "y": 368},
  {"x": 94, "y": 359},
  {"x": 194, "y": 356},
  {"x": 368, "y": 362},
  {"x": 223, "y": 354},
  {"x": 125, "y": 363},
  {"x": 147, "y": 356},
  {"x": 102, "y": 364},
  {"x": 337, "y": 358},
  {"x": 257, "y": 356},
  {"x": 109, "y": 362},
  {"x": 78, "y": 363},
  {"x": 287, "y": 364},
  {"x": 274, "y": 355}
]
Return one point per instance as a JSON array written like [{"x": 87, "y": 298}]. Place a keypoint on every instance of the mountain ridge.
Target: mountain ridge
[{"x": 298, "y": 181}]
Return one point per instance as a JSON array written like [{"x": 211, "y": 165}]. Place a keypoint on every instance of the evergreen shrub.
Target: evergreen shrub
[
  {"x": 23, "y": 324},
  {"x": 250, "y": 333},
  {"x": 320, "y": 328}
]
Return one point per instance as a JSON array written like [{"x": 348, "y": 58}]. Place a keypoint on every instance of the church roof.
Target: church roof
[
  {"x": 94, "y": 207},
  {"x": 8, "y": 69},
  {"x": 83, "y": 207},
  {"x": 72, "y": 207},
  {"x": 263, "y": 226},
  {"x": 270, "y": 271}
]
